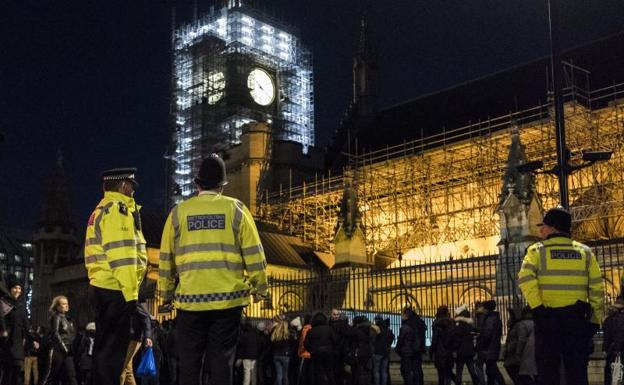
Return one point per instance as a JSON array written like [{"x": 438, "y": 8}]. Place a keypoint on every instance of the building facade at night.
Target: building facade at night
[
  {"x": 444, "y": 214},
  {"x": 232, "y": 66}
]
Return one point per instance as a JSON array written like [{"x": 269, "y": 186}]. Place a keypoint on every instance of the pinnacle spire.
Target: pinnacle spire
[
  {"x": 365, "y": 71},
  {"x": 56, "y": 209},
  {"x": 514, "y": 182}
]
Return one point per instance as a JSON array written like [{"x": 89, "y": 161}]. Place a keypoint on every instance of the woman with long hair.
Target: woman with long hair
[
  {"x": 61, "y": 337},
  {"x": 282, "y": 341}
]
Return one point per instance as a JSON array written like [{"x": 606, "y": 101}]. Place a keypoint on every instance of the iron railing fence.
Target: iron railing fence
[{"x": 424, "y": 286}]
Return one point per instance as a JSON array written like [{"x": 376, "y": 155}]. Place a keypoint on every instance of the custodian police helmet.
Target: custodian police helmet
[{"x": 211, "y": 173}]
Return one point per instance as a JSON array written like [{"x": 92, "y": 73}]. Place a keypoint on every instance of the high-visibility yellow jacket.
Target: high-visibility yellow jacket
[
  {"x": 211, "y": 245},
  {"x": 115, "y": 253},
  {"x": 558, "y": 271}
]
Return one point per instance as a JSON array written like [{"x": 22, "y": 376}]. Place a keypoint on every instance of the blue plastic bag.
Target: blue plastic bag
[{"x": 147, "y": 367}]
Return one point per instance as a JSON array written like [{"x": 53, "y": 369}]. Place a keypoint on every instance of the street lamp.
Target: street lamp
[
  {"x": 588, "y": 157},
  {"x": 555, "y": 70},
  {"x": 563, "y": 168}
]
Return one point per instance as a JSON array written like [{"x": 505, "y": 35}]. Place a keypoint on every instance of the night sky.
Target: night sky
[{"x": 91, "y": 77}]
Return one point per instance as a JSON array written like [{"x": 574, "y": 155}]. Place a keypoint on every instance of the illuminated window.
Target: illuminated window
[
  {"x": 17, "y": 258},
  {"x": 216, "y": 87}
]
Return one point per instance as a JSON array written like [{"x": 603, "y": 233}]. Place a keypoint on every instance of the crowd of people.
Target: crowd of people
[{"x": 212, "y": 265}]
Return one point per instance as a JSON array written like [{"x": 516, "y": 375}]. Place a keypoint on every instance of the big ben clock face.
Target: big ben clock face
[{"x": 261, "y": 87}]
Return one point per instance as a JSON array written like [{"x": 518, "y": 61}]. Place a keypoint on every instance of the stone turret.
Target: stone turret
[
  {"x": 55, "y": 239},
  {"x": 520, "y": 211}
]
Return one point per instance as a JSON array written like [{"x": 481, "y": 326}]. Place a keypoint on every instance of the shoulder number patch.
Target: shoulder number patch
[
  {"x": 205, "y": 222},
  {"x": 565, "y": 254}
]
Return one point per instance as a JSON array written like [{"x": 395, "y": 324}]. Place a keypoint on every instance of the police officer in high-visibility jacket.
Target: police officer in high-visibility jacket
[
  {"x": 561, "y": 280},
  {"x": 116, "y": 259},
  {"x": 211, "y": 262}
]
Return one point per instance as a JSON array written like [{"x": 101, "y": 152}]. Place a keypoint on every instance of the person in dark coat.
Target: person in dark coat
[
  {"x": 361, "y": 341},
  {"x": 248, "y": 351},
  {"x": 60, "y": 366},
  {"x": 321, "y": 341},
  {"x": 411, "y": 346},
  {"x": 84, "y": 354},
  {"x": 489, "y": 343},
  {"x": 613, "y": 328},
  {"x": 441, "y": 346},
  {"x": 31, "y": 356},
  {"x": 520, "y": 348},
  {"x": 338, "y": 321},
  {"x": 463, "y": 345},
  {"x": 171, "y": 349},
  {"x": 381, "y": 351},
  {"x": 16, "y": 320}
]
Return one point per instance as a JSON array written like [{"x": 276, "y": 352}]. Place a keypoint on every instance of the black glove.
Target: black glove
[
  {"x": 131, "y": 306},
  {"x": 165, "y": 308}
]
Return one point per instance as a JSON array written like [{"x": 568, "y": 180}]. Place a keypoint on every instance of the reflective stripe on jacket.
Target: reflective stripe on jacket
[
  {"x": 558, "y": 271},
  {"x": 115, "y": 254},
  {"x": 211, "y": 245}
]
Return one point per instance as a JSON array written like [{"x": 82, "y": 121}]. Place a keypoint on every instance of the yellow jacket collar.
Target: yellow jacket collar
[{"x": 115, "y": 196}]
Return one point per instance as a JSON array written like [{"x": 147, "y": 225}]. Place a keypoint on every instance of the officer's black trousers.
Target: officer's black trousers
[
  {"x": 112, "y": 335},
  {"x": 561, "y": 334},
  {"x": 213, "y": 333}
]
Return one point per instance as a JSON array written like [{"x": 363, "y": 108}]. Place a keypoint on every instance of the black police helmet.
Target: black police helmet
[
  {"x": 559, "y": 218},
  {"x": 211, "y": 173}
]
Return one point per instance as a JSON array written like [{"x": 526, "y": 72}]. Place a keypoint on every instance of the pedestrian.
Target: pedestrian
[
  {"x": 463, "y": 345},
  {"x": 31, "y": 353},
  {"x": 321, "y": 341},
  {"x": 173, "y": 357},
  {"x": 411, "y": 346},
  {"x": 282, "y": 341},
  {"x": 265, "y": 362},
  {"x": 520, "y": 348},
  {"x": 115, "y": 257},
  {"x": 382, "y": 349},
  {"x": 305, "y": 366},
  {"x": 296, "y": 365},
  {"x": 84, "y": 354},
  {"x": 16, "y": 321},
  {"x": 362, "y": 341},
  {"x": 140, "y": 333},
  {"x": 489, "y": 343},
  {"x": 60, "y": 365},
  {"x": 441, "y": 351},
  {"x": 211, "y": 262},
  {"x": 338, "y": 321},
  {"x": 248, "y": 351},
  {"x": 613, "y": 345},
  {"x": 562, "y": 283}
]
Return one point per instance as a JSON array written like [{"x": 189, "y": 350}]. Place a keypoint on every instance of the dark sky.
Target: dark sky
[{"x": 91, "y": 77}]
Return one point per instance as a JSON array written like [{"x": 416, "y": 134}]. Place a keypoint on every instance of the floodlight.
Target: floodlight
[{"x": 597, "y": 156}]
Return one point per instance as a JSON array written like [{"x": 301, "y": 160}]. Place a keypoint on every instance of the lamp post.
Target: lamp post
[
  {"x": 562, "y": 171},
  {"x": 563, "y": 168}
]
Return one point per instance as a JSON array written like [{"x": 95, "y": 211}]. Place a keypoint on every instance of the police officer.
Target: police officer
[
  {"x": 116, "y": 259},
  {"x": 211, "y": 262},
  {"x": 561, "y": 280}
]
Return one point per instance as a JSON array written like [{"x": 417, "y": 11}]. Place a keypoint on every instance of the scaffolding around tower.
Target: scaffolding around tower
[
  {"x": 212, "y": 57},
  {"x": 434, "y": 197}
]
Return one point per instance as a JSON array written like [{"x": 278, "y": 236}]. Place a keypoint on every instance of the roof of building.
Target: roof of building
[
  {"x": 287, "y": 250},
  {"x": 498, "y": 94}
]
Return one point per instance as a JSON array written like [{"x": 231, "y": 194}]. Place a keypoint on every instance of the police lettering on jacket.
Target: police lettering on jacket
[{"x": 205, "y": 222}]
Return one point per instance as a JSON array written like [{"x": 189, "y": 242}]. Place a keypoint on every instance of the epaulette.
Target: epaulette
[{"x": 123, "y": 209}]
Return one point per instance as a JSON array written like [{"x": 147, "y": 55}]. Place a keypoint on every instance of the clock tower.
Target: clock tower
[{"x": 233, "y": 66}]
